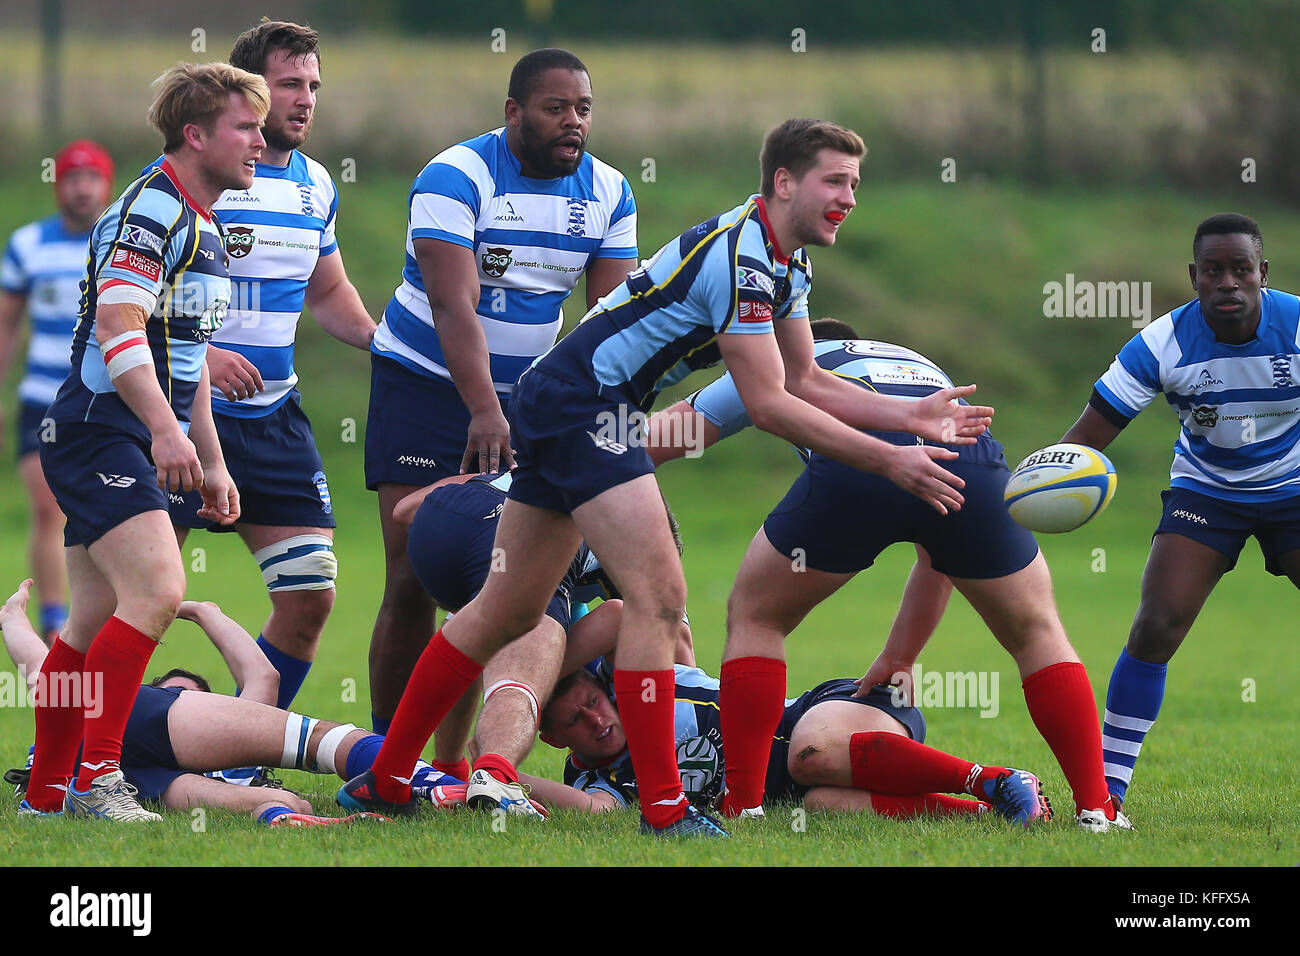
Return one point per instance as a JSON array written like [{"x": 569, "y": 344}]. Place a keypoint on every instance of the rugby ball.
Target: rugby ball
[{"x": 1060, "y": 487}]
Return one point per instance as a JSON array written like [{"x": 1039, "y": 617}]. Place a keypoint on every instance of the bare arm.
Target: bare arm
[
  {"x": 174, "y": 454},
  {"x": 677, "y": 430},
  {"x": 756, "y": 366},
  {"x": 564, "y": 797},
  {"x": 249, "y": 667},
  {"x": 451, "y": 280},
  {"x": 604, "y": 275},
  {"x": 924, "y": 601},
  {"x": 220, "y": 497},
  {"x": 11, "y": 311},
  {"x": 24, "y": 645},
  {"x": 937, "y": 417},
  {"x": 337, "y": 305},
  {"x": 1092, "y": 429}
]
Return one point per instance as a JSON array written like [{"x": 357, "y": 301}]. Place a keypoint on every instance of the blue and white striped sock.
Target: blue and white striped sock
[{"x": 1132, "y": 705}]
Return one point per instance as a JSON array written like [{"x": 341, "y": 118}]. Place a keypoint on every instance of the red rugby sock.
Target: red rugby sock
[
  {"x": 460, "y": 769},
  {"x": 58, "y": 727},
  {"x": 1064, "y": 710},
  {"x": 752, "y": 701},
  {"x": 441, "y": 676},
  {"x": 498, "y": 766},
  {"x": 115, "y": 667},
  {"x": 902, "y": 807},
  {"x": 645, "y": 705},
  {"x": 888, "y": 763}
]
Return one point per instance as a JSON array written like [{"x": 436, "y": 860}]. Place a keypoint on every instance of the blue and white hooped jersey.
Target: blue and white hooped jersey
[
  {"x": 155, "y": 238},
  {"x": 722, "y": 276},
  {"x": 531, "y": 240},
  {"x": 45, "y": 264},
  {"x": 1239, "y": 404},
  {"x": 276, "y": 231},
  {"x": 697, "y": 732}
]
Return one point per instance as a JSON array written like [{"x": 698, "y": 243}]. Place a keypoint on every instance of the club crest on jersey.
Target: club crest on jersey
[
  {"x": 1281, "y": 371},
  {"x": 1206, "y": 416},
  {"x": 496, "y": 261},
  {"x": 308, "y": 204},
  {"x": 239, "y": 241},
  {"x": 577, "y": 217}
]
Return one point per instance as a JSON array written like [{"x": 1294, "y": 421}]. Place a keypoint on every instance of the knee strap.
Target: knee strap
[
  {"x": 515, "y": 686},
  {"x": 297, "y": 732},
  {"x": 304, "y": 562}
]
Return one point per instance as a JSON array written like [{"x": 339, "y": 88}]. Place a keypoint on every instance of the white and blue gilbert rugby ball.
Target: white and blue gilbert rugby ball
[{"x": 1060, "y": 487}]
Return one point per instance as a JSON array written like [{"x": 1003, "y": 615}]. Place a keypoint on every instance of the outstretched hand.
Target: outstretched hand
[{"x": 941, "y": 417}]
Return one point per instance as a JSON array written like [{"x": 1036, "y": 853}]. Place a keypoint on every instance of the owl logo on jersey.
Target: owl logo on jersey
[
  {"x": 239, "y": 241},
  {"x": 496, "y": 261},
  {"x": 1206, "y": 416}
]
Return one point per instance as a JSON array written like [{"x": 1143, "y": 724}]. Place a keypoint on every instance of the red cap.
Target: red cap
[{"x": 84, "y": 154}]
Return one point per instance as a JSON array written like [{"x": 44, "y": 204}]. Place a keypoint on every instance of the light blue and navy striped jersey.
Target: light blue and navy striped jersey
[
  {"x": 155, "y": 237},
  {"x": 722, "y": 276},
  {"x": 276, "y": 230},
  {"x": 45, "y": 264},
  {"x": 531, "y": 239},
  {"x": 1239, "y": 404},
  {"x": 697, "y": 732}
]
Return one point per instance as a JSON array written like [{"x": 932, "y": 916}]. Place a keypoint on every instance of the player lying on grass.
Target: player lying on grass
[
  {"x": 1226, "y": 363},
  {"x": 835, "y": 520},
  {"x": 453, "y": 524},
  {"x": 834, "y": 750},
  {"x": 178, "y": 730}
]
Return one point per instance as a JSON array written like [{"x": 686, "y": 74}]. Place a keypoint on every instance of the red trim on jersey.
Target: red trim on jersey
[
  {"x": 771, "y": 234},
  {"x": 166, "y": 167}
]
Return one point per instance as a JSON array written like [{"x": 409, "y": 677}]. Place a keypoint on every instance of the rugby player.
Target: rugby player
[
  {"x": 813, "y": 543},
  {"x": 1226, "y": 363},
  {"x": 829, "y": 751},
  {"x": 283, "y": 254},
  {"x": 452, "y": 531},
  {"x": 133, "y": 421},
  {"x": 711, "y": 294},
  {"x": 501, "y": 228},
  {"x": 180, "y": 737},
  {"x": 41, "y": 273}
]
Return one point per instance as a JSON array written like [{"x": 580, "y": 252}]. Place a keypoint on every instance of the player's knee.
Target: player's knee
[
  {"x": 303, "y": 562},
  {"x": 46, "y": 516},
  {"x": 307, "y": 610},
  {"x": 1157, "y": 633}
]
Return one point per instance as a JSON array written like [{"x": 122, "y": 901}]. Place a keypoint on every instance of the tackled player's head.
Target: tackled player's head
[
  {"x": 1228, "y": 269},
  {"x": 548, "y": 112},
  {"x": 288, "y": 56},
  {"x": 581, "y": 717},
  {"x": 185, "y": 680},
  {"x": 813, "y": 167},
  {"x": 216, "y": 111},
  {"x": 826, "y": 328}
]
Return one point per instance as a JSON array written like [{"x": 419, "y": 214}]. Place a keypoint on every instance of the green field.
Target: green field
[{"x": 957, "y": 271}]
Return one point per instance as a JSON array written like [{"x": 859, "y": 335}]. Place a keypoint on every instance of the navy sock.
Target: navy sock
[
  {"x": 292, "y": 671},
  {"x": 379, "y": 724},
  {"x": 1132, "y": 704},
  {"x": 362, "y": 756}
]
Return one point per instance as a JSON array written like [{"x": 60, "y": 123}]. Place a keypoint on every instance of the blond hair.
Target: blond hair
[
  {"x": 190, "y": 93},
  {"x": 794, "y": 145}
]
